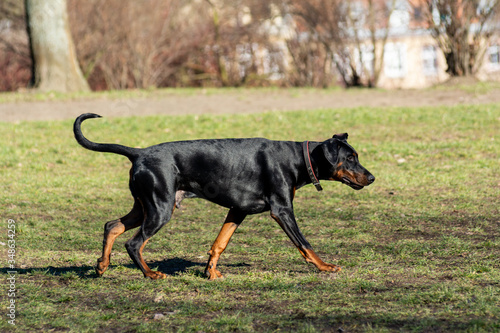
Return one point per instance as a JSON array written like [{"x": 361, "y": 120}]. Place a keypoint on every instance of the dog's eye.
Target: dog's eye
[{"x": 350, "y": 158}]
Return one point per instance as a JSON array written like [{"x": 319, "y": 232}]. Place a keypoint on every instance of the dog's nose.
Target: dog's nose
[{"x": 371, "y": 178}]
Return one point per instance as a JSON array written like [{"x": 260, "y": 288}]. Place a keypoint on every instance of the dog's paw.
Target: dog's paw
[
  {"x": 213, "y": 274},
  {"x": 100, "y": 268},
  {"x": 330, "y": 268},
  {"x": 154, "y": 275}
]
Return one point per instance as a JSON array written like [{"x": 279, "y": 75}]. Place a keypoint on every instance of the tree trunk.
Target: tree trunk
[{"x": 55, "y": 67}]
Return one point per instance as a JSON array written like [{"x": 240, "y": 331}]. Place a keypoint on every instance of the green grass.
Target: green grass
[
  {"x": 419, "y": 248},
  {"x": 466, "y": 86},
  {"x": 36, "y": 96}
]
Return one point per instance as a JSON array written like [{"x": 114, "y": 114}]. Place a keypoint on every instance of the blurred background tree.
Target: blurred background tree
[
  {"x": 125, "y": 44},
  {"x": 15, "y": 59},
  {"x": 461, "y": 28},
  {"x": 54, "y": 63}
]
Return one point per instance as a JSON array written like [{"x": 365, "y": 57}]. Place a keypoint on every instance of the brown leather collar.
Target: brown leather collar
[{"x": 310, "y": 170}]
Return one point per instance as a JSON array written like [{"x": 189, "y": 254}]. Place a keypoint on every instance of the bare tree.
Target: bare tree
[
  {"x": 238, "y": 44},
  {"x": 348, "y": 31},
  {"x": 15, "y": 60},
  {"x": 373, "y": 17},
  {"x": 323, "y": 23},
  {"x": 128, "y": 44},
  {"x": 461, "y": 28},
  {"x": 310, "y": 63},
  {"x": 55, "y": 66}
]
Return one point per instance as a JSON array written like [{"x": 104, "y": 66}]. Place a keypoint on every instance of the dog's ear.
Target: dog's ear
[
  {"x": 341, "y": 137},
  {"x": 331, "y": 150}
]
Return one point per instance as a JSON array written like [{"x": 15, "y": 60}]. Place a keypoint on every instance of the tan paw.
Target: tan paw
[
  {"x": 154, "y": 275},
  {"x": 213, "y": 274},
  {"x": 101, "y": 267},
  {"x": 330, "y": 268}
]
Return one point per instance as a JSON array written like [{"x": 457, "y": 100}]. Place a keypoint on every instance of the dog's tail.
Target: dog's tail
[{"x": 130, "y": 152}]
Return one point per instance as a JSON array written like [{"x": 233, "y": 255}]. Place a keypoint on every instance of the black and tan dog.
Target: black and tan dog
[{"x": 248, "y": 176}]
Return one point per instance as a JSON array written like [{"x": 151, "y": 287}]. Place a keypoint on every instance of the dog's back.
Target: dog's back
[{"x": 230, "y": 172}]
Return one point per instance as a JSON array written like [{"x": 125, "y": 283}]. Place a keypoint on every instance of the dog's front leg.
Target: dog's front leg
[
  {"x": 286, "y": 219},
  {"x": 233, "y": 220}
]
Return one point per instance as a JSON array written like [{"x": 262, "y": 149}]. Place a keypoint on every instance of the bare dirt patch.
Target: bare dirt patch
[{"x": 245, "y": 101}]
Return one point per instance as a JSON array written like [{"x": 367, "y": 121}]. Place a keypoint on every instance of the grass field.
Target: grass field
[{"x": 420, "y": 248}]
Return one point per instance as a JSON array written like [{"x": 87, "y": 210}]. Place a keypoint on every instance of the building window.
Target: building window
[
  {"x": 429, "y": 59},
  {"x": 494, "y": 57},
  {"x": 401, "y": 15},
  {"x": 395, "y": 60},
  {"x": 367, "y": 57}
]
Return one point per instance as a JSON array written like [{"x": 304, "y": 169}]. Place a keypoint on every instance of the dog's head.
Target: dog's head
[{"x": 343, "y": 163}]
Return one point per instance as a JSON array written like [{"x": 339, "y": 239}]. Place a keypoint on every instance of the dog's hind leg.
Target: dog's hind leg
[
  {"x": 157, "y": 196},
  {"x": 115, "y": 228},
  {"x": 156, "y": 217}
]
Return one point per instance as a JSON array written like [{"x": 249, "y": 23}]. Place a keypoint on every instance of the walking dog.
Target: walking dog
[{"x": 248, "y": 176}]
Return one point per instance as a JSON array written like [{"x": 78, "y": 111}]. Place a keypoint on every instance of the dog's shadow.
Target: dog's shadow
[{"x": 170, "y": 267}]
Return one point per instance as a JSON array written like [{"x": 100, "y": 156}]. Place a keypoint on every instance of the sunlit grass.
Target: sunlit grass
[{"x": 419, "y": 248}]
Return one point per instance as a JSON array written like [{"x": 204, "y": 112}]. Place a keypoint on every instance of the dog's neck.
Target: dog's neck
[{"x": 312, "y": 169}]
